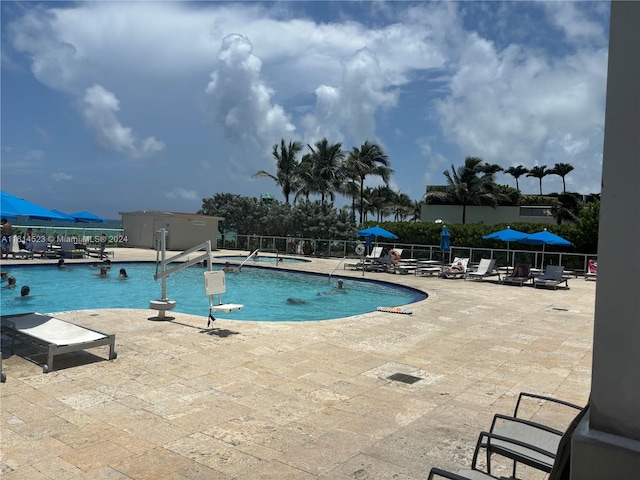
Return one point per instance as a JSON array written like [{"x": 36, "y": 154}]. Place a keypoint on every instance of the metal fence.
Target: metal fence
[{"x": 576, "y": 262}]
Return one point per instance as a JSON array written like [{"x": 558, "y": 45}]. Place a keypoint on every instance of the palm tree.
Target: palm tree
[
  {"x": 286, "y": 164},
  {"x": 539, "y": 173},
  {"x": 562, "y": 170},
  {"x": 402, "y": 206},
  {"x": 326, "y": 160},
  {"x": 469, "y": 184},
  {"x": 304, "y": 177},
  {"x": 517, "y": 172},
  {"x": 369, "y": 159}
]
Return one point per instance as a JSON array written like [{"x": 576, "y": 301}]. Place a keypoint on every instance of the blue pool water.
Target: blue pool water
[{"x": 264, "y": 292}]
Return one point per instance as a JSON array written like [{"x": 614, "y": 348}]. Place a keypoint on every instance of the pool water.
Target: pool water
[{"x": 267, "y": 294}]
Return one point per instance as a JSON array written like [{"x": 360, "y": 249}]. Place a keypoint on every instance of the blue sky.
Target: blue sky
[{"x": 121, "y": 106}]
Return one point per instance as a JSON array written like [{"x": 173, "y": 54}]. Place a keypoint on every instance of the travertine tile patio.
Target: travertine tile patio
[{"x": 309, "y": 400}]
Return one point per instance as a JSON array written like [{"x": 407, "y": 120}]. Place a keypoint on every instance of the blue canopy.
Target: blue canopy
[
  {"x": 375, "y": 232},
  {"x": 506, "y": 235},
  {"x": 545, "y": 238},
  {"x": 87, "y": 217},
  {"x": 445, "y": 240},
  {"x": 69, "y": 218},
  {"x": 12, "y": 207}
]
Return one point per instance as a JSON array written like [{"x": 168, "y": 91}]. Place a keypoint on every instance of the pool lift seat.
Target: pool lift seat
[{"x": 215, "y": 285}]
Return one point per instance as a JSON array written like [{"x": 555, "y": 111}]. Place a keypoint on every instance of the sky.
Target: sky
[{"x": 121, "y": 106}]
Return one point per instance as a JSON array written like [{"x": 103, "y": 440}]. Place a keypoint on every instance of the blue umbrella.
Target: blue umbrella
[
  {"x": 445, "y": 240},
  {"x": 69, "y": 218},
  {"x": 12, "y": 207},
  {"x": 87, "y": 217},
  {"x": 375, "y": 232},
  {"x": 506, "y": 235},
  {"x": 544, "y": 238}
]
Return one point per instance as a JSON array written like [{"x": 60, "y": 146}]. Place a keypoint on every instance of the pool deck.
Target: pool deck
[{"x": 310, "y": 400}]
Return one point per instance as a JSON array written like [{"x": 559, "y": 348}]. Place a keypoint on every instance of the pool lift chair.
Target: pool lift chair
[{"x": 214, "y": 281}]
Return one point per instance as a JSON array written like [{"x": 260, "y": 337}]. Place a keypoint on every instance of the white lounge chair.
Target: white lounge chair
[
  {"x": 553, "y": 276},
  {"x": 54, "y": 336},
  {"x": 457, "y": 269},
  {"x": 486, "y": 268}
]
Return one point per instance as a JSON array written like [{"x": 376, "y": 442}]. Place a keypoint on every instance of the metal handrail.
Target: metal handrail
[{"x": 339, "y": 263}]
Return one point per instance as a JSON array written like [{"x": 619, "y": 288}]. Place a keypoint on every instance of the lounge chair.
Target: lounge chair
[
  {"x": 530, "y": 443},
  {"x": 53, "y": 335},
  {"x": 486, "y": 268},
  {"x": 215, "y": 284},
  {"x": 592, "y": 270},
  {"x": 69, "y": 250},
  {"x": 457, "y": 269},
  {"x": 520, "y": 275},
  {"x": 553, "y": 276},
  {"x": 42, "y": 249},
  {"x": 99, "y": 252}
]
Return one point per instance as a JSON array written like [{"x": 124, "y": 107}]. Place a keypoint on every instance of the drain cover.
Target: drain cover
[{"x": 404, "y": 378}]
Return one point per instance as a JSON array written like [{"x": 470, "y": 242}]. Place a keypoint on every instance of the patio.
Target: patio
[{"x": 254, "y": 400}]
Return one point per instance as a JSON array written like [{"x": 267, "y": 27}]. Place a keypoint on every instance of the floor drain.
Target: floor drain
[{"x": 404, "y": 378}]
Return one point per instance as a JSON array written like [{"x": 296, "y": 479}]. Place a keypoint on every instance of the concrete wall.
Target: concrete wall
[
  {"x": 185, "y": 230},
  {"x": 452, "y": 214}
]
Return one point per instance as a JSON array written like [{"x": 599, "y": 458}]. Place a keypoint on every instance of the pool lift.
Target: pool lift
[{"x": 214, "y": 281}]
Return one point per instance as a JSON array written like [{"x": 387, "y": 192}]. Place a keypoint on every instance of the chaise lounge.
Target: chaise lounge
[{"x": 54, "y": 336}]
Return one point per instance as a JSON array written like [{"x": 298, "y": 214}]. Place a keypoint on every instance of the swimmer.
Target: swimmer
[
  {"x": 61, "y": 263},
  {"x": 123, "y": 273},
  {"x": 227, "y": 267},
  {"x": 103, "y": 272},
  {"x": 296, "y": 301},
  {"x": 24, "y": 291},
  {"x": 11, "y": 281}
]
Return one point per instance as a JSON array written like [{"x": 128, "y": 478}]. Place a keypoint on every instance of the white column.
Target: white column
[{"x": 607, "y": 443}]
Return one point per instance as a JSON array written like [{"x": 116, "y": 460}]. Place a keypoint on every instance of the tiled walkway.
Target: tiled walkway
[{"x": 257, "y": 400}]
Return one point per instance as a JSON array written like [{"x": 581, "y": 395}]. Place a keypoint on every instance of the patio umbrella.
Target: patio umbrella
[
  {"x": 507, "y": 235},
  {"x": 545, "y": 238},
  {"x": 374, "y": 232},
  {"x": 445, "y": 241},
  {"x": 87, "y": 217},
  {"x": 69, "y": 218},
  {"x": 12, "y": 207}
]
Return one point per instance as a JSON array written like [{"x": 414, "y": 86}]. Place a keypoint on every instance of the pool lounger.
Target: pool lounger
[{"x": 54, "y": 336}]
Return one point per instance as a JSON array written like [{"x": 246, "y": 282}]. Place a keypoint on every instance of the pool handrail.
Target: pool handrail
[
  {"x": 248, "y": 257},
  {"x": 339, "y": 263}
]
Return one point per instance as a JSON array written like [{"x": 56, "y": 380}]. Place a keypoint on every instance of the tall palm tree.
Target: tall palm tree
[
  {"x": 517, "y": 172},
  {"x": 539, "y": 172},
  {"x": 562, "y": 170},
  {"x": 402, "y": 206},
  {"x": 382, "y": 198},
  {"x": 286, "y": 164},
  {"x": 369, "y": 159},
  {"x": 304, "y": 177},
  {"x": 326, "y": 160},
  {"x": 469, "y": 184}
]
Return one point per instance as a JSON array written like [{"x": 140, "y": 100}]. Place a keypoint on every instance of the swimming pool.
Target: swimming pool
[
  {"x": 263, "y": 291},
  {"x": 260, "y": 259}
]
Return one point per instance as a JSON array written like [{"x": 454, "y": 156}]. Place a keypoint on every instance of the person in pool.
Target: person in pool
[
  {"x": 11, "y": 282},
  {"x": 25, "y": 290},
  {"x": 104, "y": 272},
  {"x": 61, "y": 263},
  {"x": 227, "y": 267},
  {"x": 296, "y": 301},
  {"x": 338, "y": 288},
  {"x": 123, "y": 273}
]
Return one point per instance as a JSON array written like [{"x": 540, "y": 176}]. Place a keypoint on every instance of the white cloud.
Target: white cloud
[
  {"x": 182, "y": 194},
  {"x": 352, "y": 106},
  {"x": 99, "y": 108},
  {"x": 61, "y": 177},
  {"x": 242, "y": 100},
  {"x": 517, "y": 107},
  {"x": 574, "y": 23}
]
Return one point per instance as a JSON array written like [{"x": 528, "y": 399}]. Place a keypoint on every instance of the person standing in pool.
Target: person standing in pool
[
  {"x": 61, "y": 263},
  {"x": 123, "y": 273},
  {"x": 25, "y": 290}
]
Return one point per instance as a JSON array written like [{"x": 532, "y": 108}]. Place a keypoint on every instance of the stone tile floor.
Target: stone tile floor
[{"x": 311, "y": 400}]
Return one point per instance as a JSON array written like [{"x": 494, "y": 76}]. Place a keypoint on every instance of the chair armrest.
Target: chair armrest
[
  {"x": 437, "y": 473},
  {"x": 484, "y": 441},
  {"x": 543, "y": 397},
  {"x": 541, "y": 426}
]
